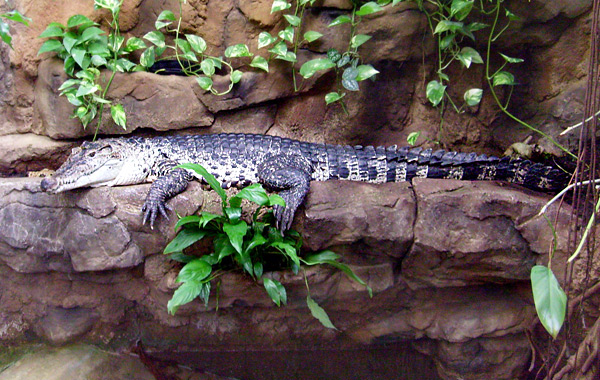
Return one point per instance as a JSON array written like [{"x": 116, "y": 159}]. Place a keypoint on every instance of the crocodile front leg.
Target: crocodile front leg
[
  {"x": 288, "y": 174},
  {"x": 164, "y": 188}
]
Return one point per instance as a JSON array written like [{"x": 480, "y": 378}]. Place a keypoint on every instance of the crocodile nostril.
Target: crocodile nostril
[{"x": 47, "y": 183}]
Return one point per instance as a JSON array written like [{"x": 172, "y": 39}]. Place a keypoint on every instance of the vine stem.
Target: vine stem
[{"x": 502, "y": 107}]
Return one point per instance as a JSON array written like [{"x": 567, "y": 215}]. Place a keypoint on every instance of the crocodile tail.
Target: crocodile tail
[{"x": 391, "y": 164}]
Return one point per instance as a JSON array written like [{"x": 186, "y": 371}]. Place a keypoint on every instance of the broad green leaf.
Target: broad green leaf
[
  {"x": 236, "y": 76},
  {"x": 69, "y": 66},
  {"x": 208, "y": 67},
  {"x": 239, "y": 50},
  {"x": 124, "y": 65},
  {"x": 343, "y": 61},
  {"x": 275, "y": 199},
  {"x": 502, "y": 78},
  {"x": 236, "y": 233},
  {"x": 190, "y": 219},
  {"x": 511, "y": 59},
  {"x": 98, "y": 48},
  {"x": 447, "y": 41},
  {"x": 234, "y": 213},
  {"x": 288, "y": 250},
  {"x": 206, "y": 217},
  {"x": 287, "y": 34},
  {"x": 184, "y": 239},
  {"x": 165, "y": 18},
  {"x": 460, "y": 9},
  {"x": 343, "y": 19},
  {"x": 332, "y": 97},
  {"x": 279, "y": 49},
  {"x": 473, "y": 96},
  {"x": 68, "y": 83},
  {"x": 309, "y": 68},
  {"x": 148, "y": 57},
  {"x": 288, "y": 56},
  {"x": 118, "y": 115},
  {"x": 368, "y": 8},
  {"x": 69, "y": 40},
  {"x": 469, "y": 55},
  {"x": 275, "y": 290},
  {"x": 511, "y": 16},
  {"x": 311, "y": 36},
  {"x": 350, "y": 84},
  {"x": 435, "y": 92},
  {"x": 16, "y": 16},
  {"x": 412, "y": 137},
  {"x": 365, "y": 72},
  {"x": 446, "y": 25},
  {"x": 319, "y": 313},
  {"x": 196, "y": 270},
  {"x": 292, "y": 20},
  {"x": 260, "y": 63},
  {"x": 79, "y": 20},
  {"x": 197, "y": 43},
  {"x": 350, "y": 73},
  {"x": 209, "y": 178},
  {"x": 265, "y": 39},
  {"x": 178, "y": 256},
  {"x": 475, "y": 26},
  {"x": 280, "y": 5},
  {"x": 156, "y": 37},
  {"x": 321, "y": 258},
  {"x": 550, "y": 300},
  {"x": 204, "y": 82},
  {"x": 53, "y": 30},
  {"x": 78, "y": 55},
  {"x": 184, "y": 294},
  {"x": 254, "y": 193},
  {"x": 358, "y": 40},
  {"x": 223, "y": 246},
  {"x": 134, "y": 43},
  {"x": 86, "y": 89},
  {"x": 50, "y": 45},
  {"x": 257, "y": 240},
  {"x": 258, "y": 269},
  {"x": 166, "y": 15},
  {"x": 90, "y": 34}
]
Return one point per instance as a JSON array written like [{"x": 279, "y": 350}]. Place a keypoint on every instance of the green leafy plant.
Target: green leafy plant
[
  {"x": 15, "y": 16},
  {"x": 190, "y": 52},
  {"x": 253, "y": 247},
  {"x": 85, "y": 50},
  {"x": 347, "y": 65}
]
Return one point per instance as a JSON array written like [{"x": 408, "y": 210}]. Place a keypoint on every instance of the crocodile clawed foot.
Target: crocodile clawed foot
[{"x": 152, "y": 208}]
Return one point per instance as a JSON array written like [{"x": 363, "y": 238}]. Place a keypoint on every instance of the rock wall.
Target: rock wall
[{"x": 448, "y": 261}]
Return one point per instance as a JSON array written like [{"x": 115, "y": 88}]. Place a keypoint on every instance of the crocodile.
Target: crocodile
[{"x": 283, "y": 165}]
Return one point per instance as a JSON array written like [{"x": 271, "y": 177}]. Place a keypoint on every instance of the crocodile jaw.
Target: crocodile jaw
[{"x": 104, "y": 175}]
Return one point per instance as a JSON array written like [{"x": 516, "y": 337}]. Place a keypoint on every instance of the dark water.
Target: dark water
[{"x": 391, "y": 361}]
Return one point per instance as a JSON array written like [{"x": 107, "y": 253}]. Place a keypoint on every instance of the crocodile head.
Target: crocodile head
[{"x": 99, "y": 163}]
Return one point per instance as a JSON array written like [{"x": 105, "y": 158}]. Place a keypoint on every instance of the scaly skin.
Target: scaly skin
[{"x": 281, "y": 164}]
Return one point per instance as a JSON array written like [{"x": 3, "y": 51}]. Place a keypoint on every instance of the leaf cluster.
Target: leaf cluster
[
  {"x": 253, "y": 247},
  {"x": 455, "y": 34},
  {"x": 15, "y": 16},
  {"x": 86, "y": 49}
]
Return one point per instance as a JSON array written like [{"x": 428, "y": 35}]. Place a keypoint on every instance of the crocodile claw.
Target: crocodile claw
[
  {"x": 284, "y": 216},
  {"x": 152, "y": 208}
]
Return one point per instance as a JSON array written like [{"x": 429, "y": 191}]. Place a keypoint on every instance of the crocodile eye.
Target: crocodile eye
[{"x": 92, "y": 154}]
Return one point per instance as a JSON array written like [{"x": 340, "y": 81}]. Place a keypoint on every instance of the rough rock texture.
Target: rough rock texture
[{"x": 443, "y": 275}]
